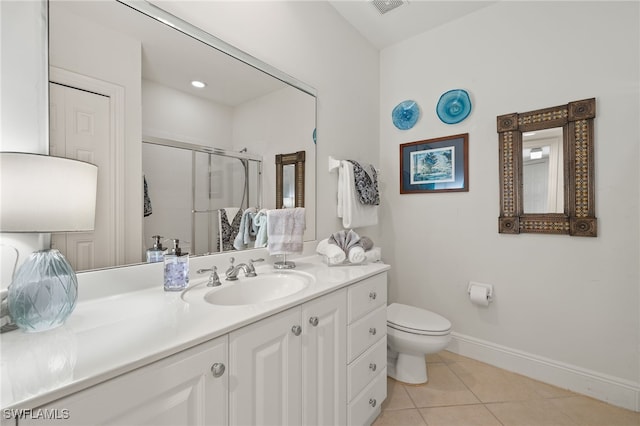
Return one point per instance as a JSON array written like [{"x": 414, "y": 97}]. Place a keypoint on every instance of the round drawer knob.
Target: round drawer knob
[
  {"x": 373, "y": 295},
  {"x": 313, "y": 321},
  {"x": 373, "y": 367},
  {"x": 372, "y": 331},
  {"x": 296, "y": 330},
  {"x": 217, "y": 369},
  {"x": 373, "y": 402}
]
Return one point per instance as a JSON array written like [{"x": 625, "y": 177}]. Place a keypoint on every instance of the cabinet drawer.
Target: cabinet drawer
[
  {"x": 366, "y": 406},
  {"x": 367, "y": 296},
  {"x": 366, "y": 367},
  {"x": 366, "y": 331}
]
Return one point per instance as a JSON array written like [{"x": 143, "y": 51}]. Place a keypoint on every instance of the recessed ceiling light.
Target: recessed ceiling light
[{"x": 198, "y": 84}]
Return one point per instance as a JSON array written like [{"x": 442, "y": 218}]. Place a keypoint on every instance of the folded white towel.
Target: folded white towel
[
  {"x": 354, "y": 214},
  {"x": 285, "y": 230},
  {"x": 373, "y": 255},
  {"x": 357, "y": 255},
  {"x": 333, "y": 253}
]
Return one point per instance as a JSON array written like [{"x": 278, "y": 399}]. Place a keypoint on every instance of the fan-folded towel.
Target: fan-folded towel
[{"x": 285, "y": 230}]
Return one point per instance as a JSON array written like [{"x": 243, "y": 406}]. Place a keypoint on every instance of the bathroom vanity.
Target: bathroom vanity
[{"x": 317, "y": 356}]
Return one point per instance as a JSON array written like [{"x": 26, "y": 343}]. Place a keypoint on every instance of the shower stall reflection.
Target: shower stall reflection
[{"x": 191, "y": 188}]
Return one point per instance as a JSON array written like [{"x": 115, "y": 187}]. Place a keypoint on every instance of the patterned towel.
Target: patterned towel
[{"x": 366, "y": 183}]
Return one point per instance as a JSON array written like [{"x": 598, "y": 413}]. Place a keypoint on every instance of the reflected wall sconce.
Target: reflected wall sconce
[{"x": 41, "y": 193}]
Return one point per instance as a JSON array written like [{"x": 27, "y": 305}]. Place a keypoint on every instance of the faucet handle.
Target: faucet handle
[
  {"x": 251, "y": 269},
  {"x": 214, "y": 279}
]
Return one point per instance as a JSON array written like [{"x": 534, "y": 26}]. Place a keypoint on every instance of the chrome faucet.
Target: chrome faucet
[
  {"x": 249, "y": 269},
  {"x": 214, "y": 279}
]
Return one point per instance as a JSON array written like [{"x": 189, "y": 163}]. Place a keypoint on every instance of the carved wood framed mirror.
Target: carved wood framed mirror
[
  {"x": 290, "y": 180},
  {"x": 547, "y": 170}
]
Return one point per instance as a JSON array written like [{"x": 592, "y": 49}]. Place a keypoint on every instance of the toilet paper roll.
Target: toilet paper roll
[{"x": 479, "y": 295}]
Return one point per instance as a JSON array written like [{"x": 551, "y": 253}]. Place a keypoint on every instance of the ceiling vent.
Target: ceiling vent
[{"x": 384, "y": 6}]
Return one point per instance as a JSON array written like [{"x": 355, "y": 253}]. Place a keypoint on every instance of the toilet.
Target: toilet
[{"x": 411, "y": 334}]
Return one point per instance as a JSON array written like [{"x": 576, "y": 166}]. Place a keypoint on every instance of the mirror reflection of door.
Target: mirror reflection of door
[
  {"x": 79, "y": 129},
  {"x": 542, "y": 171}
]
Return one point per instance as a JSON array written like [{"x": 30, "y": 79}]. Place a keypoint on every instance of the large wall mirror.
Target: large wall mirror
[
  {"x": 547, "y": 170},
  {"x": 171, "y": 155}
]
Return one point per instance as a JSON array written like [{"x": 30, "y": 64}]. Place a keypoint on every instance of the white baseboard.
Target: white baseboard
[{"x": 613, "y": 390}]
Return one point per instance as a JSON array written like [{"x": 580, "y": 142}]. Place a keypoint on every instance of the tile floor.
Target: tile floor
[{"x": 462, "y": 391}]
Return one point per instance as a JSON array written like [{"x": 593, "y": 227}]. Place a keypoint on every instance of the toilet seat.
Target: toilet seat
[{"x": 410, "y": 319}]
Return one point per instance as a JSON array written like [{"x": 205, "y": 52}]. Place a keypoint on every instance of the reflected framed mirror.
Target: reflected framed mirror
[
  {"x": 173, "y": 156},
  {"x": 290, "y": 180},
  {"x": 546, "y": 160}
]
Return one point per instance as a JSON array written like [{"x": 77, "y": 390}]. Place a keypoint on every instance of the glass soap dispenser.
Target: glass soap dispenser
[
  {"x": 156, "y": 253},
  {"x": 176, "y": 268}
]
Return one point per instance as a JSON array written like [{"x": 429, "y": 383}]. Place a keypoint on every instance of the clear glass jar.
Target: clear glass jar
[{"x": 43, "y": 292}]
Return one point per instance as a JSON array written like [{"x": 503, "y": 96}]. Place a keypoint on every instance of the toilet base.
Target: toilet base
[{"x": 408, "y": 368}]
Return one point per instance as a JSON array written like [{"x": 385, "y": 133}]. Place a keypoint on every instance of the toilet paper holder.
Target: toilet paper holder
[{"x": 489, "y": 288}]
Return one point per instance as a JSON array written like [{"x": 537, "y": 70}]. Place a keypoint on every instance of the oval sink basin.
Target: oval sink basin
[{"x": 265, "y": 287}]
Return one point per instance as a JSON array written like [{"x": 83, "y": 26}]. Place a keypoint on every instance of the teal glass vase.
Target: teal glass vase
[{"x": 43, "y": 292}]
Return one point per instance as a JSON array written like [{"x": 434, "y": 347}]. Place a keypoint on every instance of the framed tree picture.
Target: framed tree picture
[{"x": 435, "y": 165}]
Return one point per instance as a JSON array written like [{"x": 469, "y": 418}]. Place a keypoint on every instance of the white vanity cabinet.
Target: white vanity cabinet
[
  {"x": 321, "y": 362},
  {"x": 289, "y": 369},
  {"x": 189, "y": 388},
  {"x": 367, "y": 349}
]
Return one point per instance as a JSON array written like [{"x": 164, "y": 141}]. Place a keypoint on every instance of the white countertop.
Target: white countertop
[{"x": 115, "y": 332}]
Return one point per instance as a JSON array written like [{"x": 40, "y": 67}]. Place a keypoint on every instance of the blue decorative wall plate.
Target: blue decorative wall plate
[
  {"x": 454, "y": 106},
  {"x": 405, "y": 115}
]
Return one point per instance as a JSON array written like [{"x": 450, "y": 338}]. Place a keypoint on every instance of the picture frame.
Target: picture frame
[{"x": 435, "y": 165}]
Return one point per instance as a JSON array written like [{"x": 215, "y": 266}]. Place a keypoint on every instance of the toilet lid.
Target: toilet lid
[{"x": 415, "y": 320}]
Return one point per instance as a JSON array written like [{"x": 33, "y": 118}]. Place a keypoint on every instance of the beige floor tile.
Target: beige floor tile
[
  {"x": 539, "y": 412},
  {"x": 491, "y": 384},
  {"x": 443, "y": 388},
  {"x": 545, "y": 390},
  {"x": 434, "y": 358},
  {"x": 459, "y": 415},
  {"x": 450, "y": 357},
  {"x": 409, "y": 417},
  {"x": 397, "y": 396},
  {"x": 590, "y": 412}
]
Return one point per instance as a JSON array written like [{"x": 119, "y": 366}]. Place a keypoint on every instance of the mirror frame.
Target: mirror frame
[
  {"x": 296, "y": 158},
  {"x": 577, "y": 122}
]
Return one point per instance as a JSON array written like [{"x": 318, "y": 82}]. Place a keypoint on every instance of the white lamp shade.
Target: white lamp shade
[{"x": 41, "y": 193}]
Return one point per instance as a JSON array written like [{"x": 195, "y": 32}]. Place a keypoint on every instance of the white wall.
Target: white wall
[
  {"x": 311, "y": 42},
  {"x": 573, "y": 301},
  {"x": 24, "y": 112}
]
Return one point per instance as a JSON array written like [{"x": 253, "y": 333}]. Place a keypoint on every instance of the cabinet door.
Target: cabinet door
[
  {"x": 324, "y": 360},
  {"x": 264, "y": 374},
  {"x": 179, "y": 390}
]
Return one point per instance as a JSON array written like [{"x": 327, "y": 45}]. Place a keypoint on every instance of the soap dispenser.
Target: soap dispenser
[
  {"x": 176, "y": 268},
  {"x": 156, "y": 253}
]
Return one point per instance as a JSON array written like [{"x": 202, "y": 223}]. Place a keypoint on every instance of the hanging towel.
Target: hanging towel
[
  {"x": 354, "y": 214},
  {"x": 260, "y": 228},
  {"x": 228, "y": 230},
  {"x": 285, "y": 230},
  {"x": 148, "y": 210},
  {"x": 366, "y": 183},
  {"x": 245, "y": 230}
]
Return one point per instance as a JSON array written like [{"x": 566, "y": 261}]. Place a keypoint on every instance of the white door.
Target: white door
[
  {"x": 324, "y": 360},
  {"x": 264, "y": 372},
  {"x": 79, "y": 129}
]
